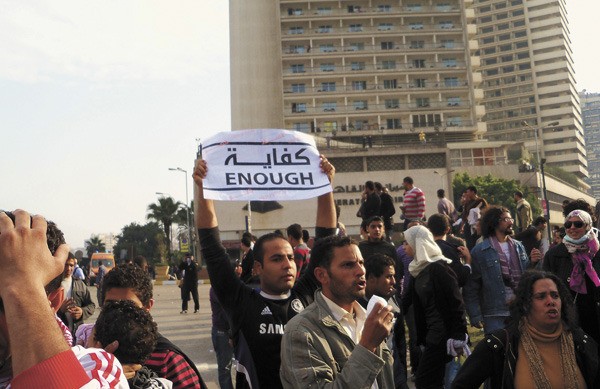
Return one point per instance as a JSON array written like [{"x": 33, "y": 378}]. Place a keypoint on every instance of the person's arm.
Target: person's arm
[
  {"x": 479, "y": 366},
  {"x": 471, "y": 293},
  {"x": 326, "y": 216},
  {"x": 226, "y": 284},
  {"x": 86, "y": 307},
  {"x": 26, "y": 266}
]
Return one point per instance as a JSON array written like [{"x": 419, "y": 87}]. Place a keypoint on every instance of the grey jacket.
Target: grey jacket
[{"x": 316, "y": 352}]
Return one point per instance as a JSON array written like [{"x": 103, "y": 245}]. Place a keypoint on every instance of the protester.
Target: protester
[
  {"x": 259, "y": 317},
  {"x": 413, "y": 207},
  {"x": 301, "y": 250},
  {"x": 135, "y": 331},
  {"x": 333, "y": 341},
  {"x": 576, "y": 262},
  {"x": 445, "y": 206},
  {"x": 130, "y": 282},
  {"x": 387, "y": 210},
  {"x": 523, "y": 216},
  {"x": 497, "y": 264},
  {"x": 370, "y": 203},
  {"x": 471, "y": 212},
  {"x": 77, "y": 305},
  {"x": 439, "y": 225},
  {"x": 439, "y": 308},
  {"x": 189, "y": 283},
  {"x": 541, "y": 347}
]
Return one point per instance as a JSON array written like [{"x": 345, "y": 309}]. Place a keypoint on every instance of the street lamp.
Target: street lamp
[
  {"x": 442, "y": 175},
  {"x": 541, "y": 162},
  {"x": 187, "y": 207}
]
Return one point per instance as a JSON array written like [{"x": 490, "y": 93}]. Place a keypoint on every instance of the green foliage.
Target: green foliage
[
  {"x": 146, "y": 240},
  {"x": 164, "y": 211},
  {"x": 94, "y": 245},
  {"x": 562, "y": 174},
  {"x": 496, "y": 191}
]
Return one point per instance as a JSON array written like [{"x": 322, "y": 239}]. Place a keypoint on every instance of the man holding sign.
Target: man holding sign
[{"x": 259, "y": 318}]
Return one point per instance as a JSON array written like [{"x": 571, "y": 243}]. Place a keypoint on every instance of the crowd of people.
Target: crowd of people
[{"x": 326, "y": 311}]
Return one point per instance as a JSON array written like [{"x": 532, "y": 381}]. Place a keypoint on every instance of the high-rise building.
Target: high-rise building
[
  {"x": 528, "y": 77},
  {"x": 381, "y": 71},
  {"x": 590, "y": 109}
]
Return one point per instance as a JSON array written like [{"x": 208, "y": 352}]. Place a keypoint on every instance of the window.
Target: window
[
  {"x": 518, "y": 12},
  {"x": 454, "y": 121},
  {"x": 506, "y": 47},
  {"x": 502, "y": 16},
  {"x": 355, "y": 28},
  {"x": 443, "y": 7},
  {"x": 447, "y": 43},
  {"x": 392, "y": 103},
  {"x": 486, "y": 30},
  {"x": 295, "y": 11},
  {"x": 297, "y": 49},
  {"x": 420, "y": 83},
  {"x": 508, "y": 69},
  {"x": 504, "y": 37},
  {"x": 417, "y": 44},
  {"x": 524, "y": 66},
  {"x": 359, "y": 85},
  {"x": 486, "y": 19},
  {"x": 503, "y": 26},
  {"x": 357, "y": 66},
  {"x": 324, "y": 10},
  {"x": 360, "y": 104},
  {"x": 451, "y": 82},
  {"x": 388, "y": 64},
  {"x": 326, "y": 48},
  {"x": 354, "y": 8},
  {"x": 422, "y": 101},
  {"x": 329, "y": 106},
  {"x": 418, "y": 63},
  {"x": 488, "y": 40},
  {"x": 384, "y": 8},
  {"x": 449, "y": 62},
  {"x": 390, "y": 84},
  {"x": 453, "y": 101},
  {"x": 426, "y": 120},
  {"x": 387, "y": 45},
  {"x": 298, "y": 88},
  {"x": 490, "y": 61},
  {"x": 327, "y": 67},
  {"x": 325, "y": 29},
  {"x": 520, "y": 45},
  {"x": 523, "y": 55},
  {"x": 359, "y": 46},
  {"x": 416, "y": 26},
  {"x": 328, "y": 86},
  {"x": 446, "y": 25},
  {"x": 506, "y": 58},
  {"x": 414, "y": 7},
  {"x": 301, "y": 127},
  {"x": 518, "y": 23},
  {"x": 298, "y": 107},
  {"x": 297, "y": 68},
  {"x": 294, "y": 30},
  {"x": 385, "y": 26},
  {"x": 393, "y": 123},
  {"x": 490, "y": 50},
  {"x": 520, "y": 34}
]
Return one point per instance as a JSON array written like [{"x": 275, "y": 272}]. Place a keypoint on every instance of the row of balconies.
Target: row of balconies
[
  {"x": 414, "y": 45},
  {"x": 391, "y": 104},
  {"x": 297, "y": 70},
  {"x": 290, "y": 12},
  {"x": 357, "y": 29},
  {"x": 393, "y": 88}
]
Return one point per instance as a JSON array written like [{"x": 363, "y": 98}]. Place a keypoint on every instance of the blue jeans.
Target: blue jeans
[{"x": 224, "y": 353}]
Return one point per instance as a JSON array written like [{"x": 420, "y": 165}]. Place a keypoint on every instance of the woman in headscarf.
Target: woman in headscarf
[
  {"x": 576, "y": 261},
  {"x": 541, "y": 348},
  {"x": 439, "y": 308}
]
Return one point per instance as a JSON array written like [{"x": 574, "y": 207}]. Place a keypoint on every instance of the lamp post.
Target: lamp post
[
  {"x": 442, "y": 175},
  {"x": 541, "y": 162},
  {"x": 187, "y": 208}
]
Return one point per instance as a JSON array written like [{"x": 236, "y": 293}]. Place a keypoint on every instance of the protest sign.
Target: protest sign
[{"x": 263, "y": 165}]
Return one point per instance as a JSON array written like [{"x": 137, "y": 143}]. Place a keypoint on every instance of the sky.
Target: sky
[{"x": 98, "y": 99}]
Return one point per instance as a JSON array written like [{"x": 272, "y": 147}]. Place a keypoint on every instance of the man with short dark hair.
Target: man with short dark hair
[
  {"x": 386, "y": 210},
  {"x": 445, "y": 206},
  {"x": 334, "y": 341},
  {"x": 259, "y": 317},
  {"x": 523, "y": 218},
  {"x": 78, "y": 304},
  {"x": 497, "y": 265},
  {"x": 439, "y": 225},
  {"x": 375, "y": 242},
  {"x": 414, "y": 202},
  {"x": 130, "y": 282},
  {"x": 301, "y": 250},
  {"x": 472, "y": 209},
  {"x": 371, "y": 202},
  {"x": 189, "y": 283}
]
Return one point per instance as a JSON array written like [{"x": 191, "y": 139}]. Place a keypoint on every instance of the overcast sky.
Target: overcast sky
[{"x": 99, "y": 98}]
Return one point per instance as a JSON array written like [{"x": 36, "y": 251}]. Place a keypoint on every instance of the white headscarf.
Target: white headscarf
[{"x": 426, "y": 250}]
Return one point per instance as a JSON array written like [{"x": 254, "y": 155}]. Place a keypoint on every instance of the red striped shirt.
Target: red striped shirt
[
  {"x": 174, "y": 367},
  {"x": 414, "y": 204}
]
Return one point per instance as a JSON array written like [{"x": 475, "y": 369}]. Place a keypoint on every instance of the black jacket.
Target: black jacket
[
  {"x": 496, "y": 357},
  {"x": 558, "y": 261}
]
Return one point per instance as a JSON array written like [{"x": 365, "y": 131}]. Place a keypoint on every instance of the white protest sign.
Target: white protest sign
[{"x": 263, "y": 165}]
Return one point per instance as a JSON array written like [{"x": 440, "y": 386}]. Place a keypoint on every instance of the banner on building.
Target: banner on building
[{"x": 263, "y": 165}]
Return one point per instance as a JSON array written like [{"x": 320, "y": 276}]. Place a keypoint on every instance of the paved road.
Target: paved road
[{"x": 191, "y": 332}]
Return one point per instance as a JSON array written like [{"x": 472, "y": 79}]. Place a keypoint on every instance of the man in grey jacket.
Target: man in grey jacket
[{"x": 333, "y": 342}]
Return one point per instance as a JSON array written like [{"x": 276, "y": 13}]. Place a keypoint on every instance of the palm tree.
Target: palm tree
[
  {"x": 94, "y": 245},
  {"x": 164, "y": 212}
]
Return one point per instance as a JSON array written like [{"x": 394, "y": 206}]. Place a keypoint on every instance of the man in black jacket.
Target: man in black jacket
[{"x": 189, "y": 283}]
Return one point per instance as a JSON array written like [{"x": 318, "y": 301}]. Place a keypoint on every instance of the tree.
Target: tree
[
  {"x": 496, "y": 191},
  {"x": 164, "y": 212},
  {"x": 94, "y": 245},
  {"x": 136, "y": 239}
]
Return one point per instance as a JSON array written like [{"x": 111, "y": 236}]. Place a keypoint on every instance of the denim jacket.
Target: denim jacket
[{"x": 484, "y": 292}]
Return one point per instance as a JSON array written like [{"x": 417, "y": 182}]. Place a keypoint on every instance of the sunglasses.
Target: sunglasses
[{"x": 568, "y": 224}]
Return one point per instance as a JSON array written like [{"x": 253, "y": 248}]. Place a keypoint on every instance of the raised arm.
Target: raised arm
[
  {"x": 204, "y": 210},
  {"x": 326, "y": 217}
]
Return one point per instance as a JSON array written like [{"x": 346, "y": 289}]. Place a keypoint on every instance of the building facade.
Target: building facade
[
  {"x": 590, "y": 109},
  {"x": 528, "y": 78}
]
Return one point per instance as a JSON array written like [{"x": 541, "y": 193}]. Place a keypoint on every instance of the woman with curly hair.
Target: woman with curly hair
[{"x": 542, "y": 346}]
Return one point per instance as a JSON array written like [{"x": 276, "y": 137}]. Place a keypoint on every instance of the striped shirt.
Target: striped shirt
[
  {"x": 174, "y": 367},
  {"x": 414, "y": 203}
]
